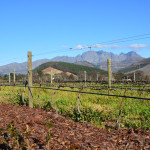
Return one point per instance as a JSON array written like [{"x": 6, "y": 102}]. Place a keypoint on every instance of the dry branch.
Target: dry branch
[
  {"x": 118, "y": 124},
  {"x": 78, "y": 108}
]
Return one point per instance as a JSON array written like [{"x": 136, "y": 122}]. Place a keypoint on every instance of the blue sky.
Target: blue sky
[{"x": 49, "y": 28}]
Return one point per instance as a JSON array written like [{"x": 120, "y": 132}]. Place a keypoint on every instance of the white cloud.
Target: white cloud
[
  {"x": 85, "y": 46},
  {"x": 100, "y": 46},
  {"x": 97, "y": 46},
  {"x": 105, "y": 46},
  {"x": 78, "y": 47},
  {"x": 115, "y": 46},
  {"x": 137, "y": 46}
]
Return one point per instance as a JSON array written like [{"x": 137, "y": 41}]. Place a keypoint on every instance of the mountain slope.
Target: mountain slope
[
  {"x": 143, "y": 65},
  {"x": 85, "y": 63},
  {"x": 99, "y": 59},
  {"x": 69, "y": 67},
  {"x": 89, "y": 58},
  {"x": 20, "y": 67}
]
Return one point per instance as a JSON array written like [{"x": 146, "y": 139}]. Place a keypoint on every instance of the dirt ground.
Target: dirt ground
[{"x": 67, "y": 134}]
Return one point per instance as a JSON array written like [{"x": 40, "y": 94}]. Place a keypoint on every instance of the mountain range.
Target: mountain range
[
  {"x": 89, "y": 58},
  {"x": 99, "y": 59},
  {"x": 143, "y": 66},
  {"x": 20, "y": 67}
]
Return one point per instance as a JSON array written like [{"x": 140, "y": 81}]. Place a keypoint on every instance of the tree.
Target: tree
[
  {"x": 5, "y": 77},
  {"x": 40, "y": 74},
  {"x": 92, "y": 76},
  {"x": 0, "y": 76},
  {"x": 81, "y": 75},
  {"x": 139, "y": 75},
  {"x": 71, "y": 77},
  {"x": 147, "y": 77},
  {"x": 119, "y": 76}
]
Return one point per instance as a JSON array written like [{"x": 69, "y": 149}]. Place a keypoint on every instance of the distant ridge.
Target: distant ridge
[
  {"x": 99, "y": 59},
  {"x": 85, "y": 63},
  {"x": 89, "y": 58},
  {"x": 20, "y": 67},
  {"x": 143, "y": 66}
]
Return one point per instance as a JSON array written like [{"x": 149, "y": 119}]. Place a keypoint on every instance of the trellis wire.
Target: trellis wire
[{"x": 112, "y": 95}]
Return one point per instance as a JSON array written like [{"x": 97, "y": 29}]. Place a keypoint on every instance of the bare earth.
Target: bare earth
[{"x": 68, "y": 134}]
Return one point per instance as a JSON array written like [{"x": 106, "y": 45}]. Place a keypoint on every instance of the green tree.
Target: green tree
[
  {"x": 40, "y": 74},
  {"x": 119, "y": 76},
  {"x": 71, "y": 77},
  {"x": 5, "y": 77}
]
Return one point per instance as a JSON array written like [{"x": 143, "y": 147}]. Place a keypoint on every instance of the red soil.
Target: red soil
[{"x": 66, "y": 133}]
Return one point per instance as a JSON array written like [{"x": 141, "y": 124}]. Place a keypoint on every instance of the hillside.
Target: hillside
[
  {"x": 89, "y": 58},
  {"x": 20, "y": 67},
  {"x": 85, "y": 63},
  {"x": 143, "y": 65},
  {"x": 69, "y": 67},
  {"x": 99, "y": 59}
]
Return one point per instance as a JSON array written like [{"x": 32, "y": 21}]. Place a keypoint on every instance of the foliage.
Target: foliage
[
  {"x": 5, "y": 77},
  {"x": 94, "y": 108},
  {"x": 11, "y": 138},
  {"x": 119, "y": 76},
  {"x": 69, "y": 67},
  {"x": 49, "y": 124}
]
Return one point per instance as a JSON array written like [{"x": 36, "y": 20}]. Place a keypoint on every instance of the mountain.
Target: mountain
[
  {"x": 85, "y": 63},
  {"x": 99, "y": 59},
  {"x": 69, "y": 67},
  {"x": 125, "y": 60},
  {"x": 143, "y": 66},
  {"x": 20, "y": 67},
  {"x": 64, "y": 59},
  {"x": 89, "y": 58}
]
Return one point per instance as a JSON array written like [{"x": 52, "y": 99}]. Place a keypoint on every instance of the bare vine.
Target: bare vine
[
  {"x": 52, "y": 101},
  {"x": 118, "y": 124},
  {"x": 78, "y": 108}
]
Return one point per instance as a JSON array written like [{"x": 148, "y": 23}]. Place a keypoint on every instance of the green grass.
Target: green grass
[{"x": 101, "y": 110}]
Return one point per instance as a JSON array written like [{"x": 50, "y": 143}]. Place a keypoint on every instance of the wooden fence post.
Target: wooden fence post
[
  {"x": 30, "y": 78},
  {"x": 85, "y": 78},
  {"x": 134, "y": 76},
  {"x": 14, "y": 76},
  {"x": 109, "y": 72},
  {"x": 51, "y": 77},
  {"x": 9, "y": 78}
]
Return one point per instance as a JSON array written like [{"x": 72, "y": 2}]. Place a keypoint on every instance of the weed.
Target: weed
[
  {"x": 27, "y": 134},
  {"x": 49, "y": 124},
  {"x": 94, "y": 108}
]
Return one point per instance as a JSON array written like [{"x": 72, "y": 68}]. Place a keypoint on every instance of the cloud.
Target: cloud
[
  {"x": 137, "y": 46},
  {"x": 85, "y": 46},
  {"x": 115, "y": 46},
  {"x": 78, "y": 47},
  {"x": 97, "y": 46},
  {"x": 105, "y": 46},
  {"x": 100, "y": 46}
]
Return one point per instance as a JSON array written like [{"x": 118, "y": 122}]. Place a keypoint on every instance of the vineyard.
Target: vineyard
[
  {"x": 75, "y": 75},
  {"x": 75, "y": 114},
  {"x": 124, "y": 107}
]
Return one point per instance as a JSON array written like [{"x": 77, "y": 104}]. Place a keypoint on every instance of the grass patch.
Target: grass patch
[{"x": 94, "y": 108}]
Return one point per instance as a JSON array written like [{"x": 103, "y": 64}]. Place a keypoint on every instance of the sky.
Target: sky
[{"x": 51, "y": 28}]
